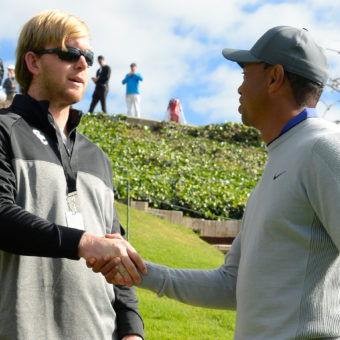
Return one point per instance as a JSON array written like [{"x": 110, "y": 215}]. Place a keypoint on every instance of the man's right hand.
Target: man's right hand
[{"x": 123, "y": 258}]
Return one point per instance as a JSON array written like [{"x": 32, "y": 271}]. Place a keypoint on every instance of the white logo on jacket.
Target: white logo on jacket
[{"x": 40, "y": 136}]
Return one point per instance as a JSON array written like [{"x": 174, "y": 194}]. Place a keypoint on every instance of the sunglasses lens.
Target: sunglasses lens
[
  {"x": 76, "y": 53},
  {"x": 69, "y": 55},
  {"x": 88, "y": 57},
  {"x": 72, "y": 54}
]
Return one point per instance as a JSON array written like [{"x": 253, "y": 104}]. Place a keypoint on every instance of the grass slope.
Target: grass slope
[{"x": 162, "y": 242}]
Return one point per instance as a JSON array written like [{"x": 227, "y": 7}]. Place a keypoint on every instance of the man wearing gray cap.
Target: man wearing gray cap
[{"x": 282, "y": 274}]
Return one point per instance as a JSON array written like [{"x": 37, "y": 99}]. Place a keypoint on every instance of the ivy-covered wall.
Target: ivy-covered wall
[{"x": 206, "y": 171}]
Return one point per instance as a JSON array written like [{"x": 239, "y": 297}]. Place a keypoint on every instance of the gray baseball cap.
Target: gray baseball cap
[{"x": 290, "y": 47}]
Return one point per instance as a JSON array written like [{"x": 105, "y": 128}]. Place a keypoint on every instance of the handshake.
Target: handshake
[{"x": 112, "y": 256}]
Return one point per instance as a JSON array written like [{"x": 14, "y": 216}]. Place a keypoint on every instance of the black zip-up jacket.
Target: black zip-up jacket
[
  {"x": 103, "y": 74},
  {"x": 39, "y": 282},
  {"x": 1, "y": 71}
]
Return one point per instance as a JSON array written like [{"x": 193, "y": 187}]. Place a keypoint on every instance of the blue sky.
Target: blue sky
[{"x": 177, "y": 46}]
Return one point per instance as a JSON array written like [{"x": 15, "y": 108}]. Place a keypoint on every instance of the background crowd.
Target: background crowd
[
  {"x": 9, "y": 85},
  {"x": 174, "y": 111}
]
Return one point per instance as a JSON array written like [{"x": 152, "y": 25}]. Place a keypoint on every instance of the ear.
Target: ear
[
  {"x": 33, "y": 63},
  {"x": 277, "y": 76}
]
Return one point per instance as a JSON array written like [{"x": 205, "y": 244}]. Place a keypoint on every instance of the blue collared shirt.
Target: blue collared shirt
[
  {"x": 132, "y": 83},
  {"x": 304, "y": 114}
]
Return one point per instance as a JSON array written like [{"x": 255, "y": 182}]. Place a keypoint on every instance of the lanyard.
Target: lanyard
[{"x": 68, "y": 161}]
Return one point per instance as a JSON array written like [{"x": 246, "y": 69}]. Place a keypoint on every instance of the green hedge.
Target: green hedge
[{"x": 205, "y": 171}]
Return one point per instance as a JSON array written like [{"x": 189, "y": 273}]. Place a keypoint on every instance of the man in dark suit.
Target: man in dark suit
[
  {"x": 1, "y": 71},
  {"x": 102, "y": 85}
]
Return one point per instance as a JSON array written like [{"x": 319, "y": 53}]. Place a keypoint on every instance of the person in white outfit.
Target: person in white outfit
[{"x": 132, "y": 80}]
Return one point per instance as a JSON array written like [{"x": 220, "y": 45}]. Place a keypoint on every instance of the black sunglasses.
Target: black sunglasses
[{"x": 72, "y": 54}]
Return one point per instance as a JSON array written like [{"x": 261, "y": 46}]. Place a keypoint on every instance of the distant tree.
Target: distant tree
[{"x": 334, "y": 84}]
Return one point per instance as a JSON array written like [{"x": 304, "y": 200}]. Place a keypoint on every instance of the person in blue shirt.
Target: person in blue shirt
[{"x": 132, "y": 80}]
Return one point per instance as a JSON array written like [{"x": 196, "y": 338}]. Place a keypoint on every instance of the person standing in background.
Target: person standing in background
[
  {"x": 10, "y": 84},
  {"x": 102, "y": 85},
  {"x": 174, "y": 112},
  {"x": 132, "y": 80},
  {"x": 1, "y": 71},
  {"x": 2, "y": 93}
]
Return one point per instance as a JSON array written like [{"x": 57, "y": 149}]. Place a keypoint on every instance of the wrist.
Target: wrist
[{"x": 87, "y": 245}]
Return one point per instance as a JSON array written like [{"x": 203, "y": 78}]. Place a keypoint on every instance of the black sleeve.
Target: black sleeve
[
  {"x": 104, "y": 75},
  {"x": 7, "y": 85},
  {"x": 22, "y": 232},
  {"x": 129, "y": 320},
  {"x": 1, "y": 71}
]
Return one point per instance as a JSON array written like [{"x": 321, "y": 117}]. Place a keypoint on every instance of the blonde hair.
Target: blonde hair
[{"x": 47, "y": 27}]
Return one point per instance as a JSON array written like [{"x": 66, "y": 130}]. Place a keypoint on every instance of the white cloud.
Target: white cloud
[
  {"x": 329, "y": 110},
  {"x": 223, "y": 100},
  {"x": 177, "y": 44}
]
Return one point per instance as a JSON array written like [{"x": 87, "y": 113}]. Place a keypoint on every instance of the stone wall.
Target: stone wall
[{"x": 219, "y": 233}]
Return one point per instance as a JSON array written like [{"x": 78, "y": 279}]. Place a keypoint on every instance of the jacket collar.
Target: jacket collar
[{"x": 37, "y": 112}]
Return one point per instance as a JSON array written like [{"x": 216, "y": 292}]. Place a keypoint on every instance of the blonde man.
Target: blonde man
[{"x": 56, "y": 200}]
